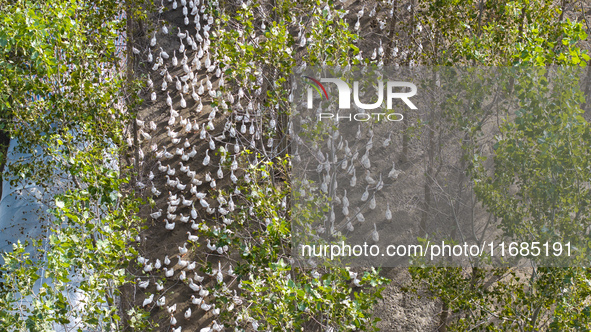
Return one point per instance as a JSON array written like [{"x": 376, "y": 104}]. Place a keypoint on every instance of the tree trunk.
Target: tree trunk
[
  {"x": 391, "y": 33},
  {"x": 129, "y": 65},
  {"x": 443, "y": 317}
]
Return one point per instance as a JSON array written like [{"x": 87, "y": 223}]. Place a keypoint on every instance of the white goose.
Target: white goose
[
  {"x": 360, "y": 216},
  {"x": 192, "y": 175},
  {"x": 196, "y": 300},
  {"x": 217, "y": 327},
  {"x": 210, "y": 246},
  {"x": 394, "y": 172},
  {"x": 183, "y": 250},
  {"x": 186, "y": 202},
  {"x": 161, "y": 301},
  {"x": 184, "y": 219},
  {"x": 218, "y": 275},
  {"x": 194, "y": 287},
  {"x": 156, "y": 66},
  {"x": 169, "y": 226},
  {"x": 143, "y": 284},
  {"x": 205, "y": 306},
  {"x": 192, "y": 266},
  {"x": 192, "y": 153},
  {"x": 149, "y": 82},
  {"x": 183, "y": 102},
  {"x": 145, "y": 135},
  {"x": 163, "y": 54},
  {"x": 153, "y": 40},
  {"x": 195, "y": 226},
  {"x": 372, "y": 202},
  {"x": 380, "y": 183},
  {"x": 170, "y": 170},
  {"x": 180, "y": 34},
  {"x": 148, "y": 267},
  {"x": 198, "y": 278},
  {"x": 193, "y": 212},
  {"x": 181, "y": 262},
  {"x": 194, "y": 95},
  {"x": 204, "y": 203},
  {"x": 155, "y": 191},
  {"x": 157, "y": 214},
  {"x": 148, "y": 300},
  {"x": 375, "y": 236},
  {"x": 195, "y": 181},
  {"x": 181, "y": 186},
  {"x": 353, "y": 179},
  {"x": 171, "y": 121},
  {"x": 183, "y": 122},
  {"x": 171, "y": 133}
]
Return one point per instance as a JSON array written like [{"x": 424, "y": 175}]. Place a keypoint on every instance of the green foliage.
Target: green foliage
[
  {"x": 60, "y": 66},
  {"x": 535, "y": 186},
  {"x": 63, "y": 100},
  {"x": 539, "y": 154},
  {"x": 295, "y": 299},
  {"x": 494, "y": 33},
  {"x": 138, "y": 319},
  {"x": 281, "y": 297},
  {"x": 83, "y": 254}
]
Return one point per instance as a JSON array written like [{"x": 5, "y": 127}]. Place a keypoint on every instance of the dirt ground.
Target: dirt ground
[
  {"x": 157, "y": 242},
  {"x": 404, "y": 311}
]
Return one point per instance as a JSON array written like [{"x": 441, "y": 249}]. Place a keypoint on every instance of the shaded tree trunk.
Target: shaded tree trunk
[{"x": 443, "y": 317}]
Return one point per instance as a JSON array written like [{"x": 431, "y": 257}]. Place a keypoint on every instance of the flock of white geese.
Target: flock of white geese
[
  {"x": 187, "y": 78},
  {"x": 187, "y": 75},
  {"x": 333, "y": 164}
]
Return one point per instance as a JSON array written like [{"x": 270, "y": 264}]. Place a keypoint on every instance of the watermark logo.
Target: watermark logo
[
  {"x": 345, "y": 93},
  {"x": 317, "y": 86}
]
